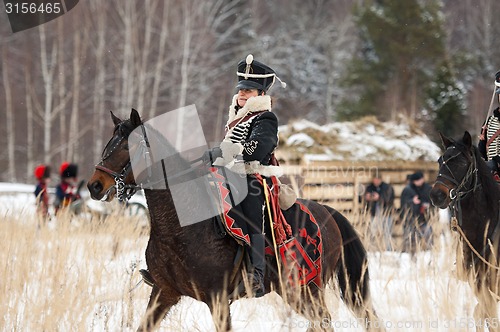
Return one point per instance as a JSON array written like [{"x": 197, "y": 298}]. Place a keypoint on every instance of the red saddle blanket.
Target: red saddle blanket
[{"x": 297, "y": 234}]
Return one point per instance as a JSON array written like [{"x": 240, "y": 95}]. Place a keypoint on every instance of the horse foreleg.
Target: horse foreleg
[{"x": 158, "y": 306}]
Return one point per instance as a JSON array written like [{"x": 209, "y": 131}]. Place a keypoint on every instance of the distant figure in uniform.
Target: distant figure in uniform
[
  {"x": 379, "y": 199},
  {"x": 415, "y": 204},
  {"x": 42, "y": 174},
  {"x": 489, "y": 140},
  {"x": 67, "y": 191}
]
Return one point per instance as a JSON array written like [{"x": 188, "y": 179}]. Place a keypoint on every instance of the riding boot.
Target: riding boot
[
  {"x": 258, "y": 259},
  {"x": 146, "y": 276}
]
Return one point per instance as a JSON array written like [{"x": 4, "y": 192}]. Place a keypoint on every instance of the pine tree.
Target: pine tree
[
  {"x": 400, "y": 43},
  {"x": 446, "y": 102}
]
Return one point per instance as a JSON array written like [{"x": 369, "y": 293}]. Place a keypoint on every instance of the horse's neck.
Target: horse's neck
[
  {"x": 162, "y": 213},
  {"x": 477, "y": 215},
  {"x": 165, "y": 223}
]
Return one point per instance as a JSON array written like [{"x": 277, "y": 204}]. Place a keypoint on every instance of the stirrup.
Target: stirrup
[{"x": 146, "y": 276}]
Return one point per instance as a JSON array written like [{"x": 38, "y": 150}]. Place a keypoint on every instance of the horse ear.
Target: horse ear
[
  {"x": 445, "y": 140},
  {"x": 135, "y": 118},
  {"x": 467, "y": 139},
  {"x": 116, "y": 120}
]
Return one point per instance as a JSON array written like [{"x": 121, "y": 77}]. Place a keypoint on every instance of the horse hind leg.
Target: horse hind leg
[{"x": 361, "y": 305}]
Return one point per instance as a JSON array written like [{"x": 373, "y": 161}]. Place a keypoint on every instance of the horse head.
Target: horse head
[
  {"x": 457, "y": 171},
  {"x": 112, "y": 176}
]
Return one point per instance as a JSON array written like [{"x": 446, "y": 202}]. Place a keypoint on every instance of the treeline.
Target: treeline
[{"x": 432, "y": 61}]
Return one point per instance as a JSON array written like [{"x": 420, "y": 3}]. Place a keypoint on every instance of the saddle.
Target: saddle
[{"x": 297, "y": 236}]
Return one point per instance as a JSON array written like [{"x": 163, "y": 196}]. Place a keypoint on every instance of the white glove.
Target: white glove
[{"x": 230, "y": 151}]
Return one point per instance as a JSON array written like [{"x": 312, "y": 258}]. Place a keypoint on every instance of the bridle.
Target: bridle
[
  {"x": 460, "y": 189},
  {"x": 123, "y": 191}
]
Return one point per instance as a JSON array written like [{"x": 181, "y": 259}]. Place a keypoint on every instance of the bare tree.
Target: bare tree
[
  {"x": 29, "y": 120},
  {"x": 62, "y": 89},
  {"x": 308, "y": 44},
  {"x": 100, "y": 82},
  {"x": 471, "y": 32},
  {"x": 158, "y": 55},
  {"x": 47, "y": 60},
  {"x": 150, "y": 7},
  {"x": 128, "y": 14},
  {"x": 9, "y": 119},
  {"x": 75, "y": 114},
  {"x": 160, "y": 60}
]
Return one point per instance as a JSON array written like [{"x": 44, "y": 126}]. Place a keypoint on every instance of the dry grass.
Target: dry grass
[
  {"x": 70, "y": 274},
  {"x": 76, "y": 274}
]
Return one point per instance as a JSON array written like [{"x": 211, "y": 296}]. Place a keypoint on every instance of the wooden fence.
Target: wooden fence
[{"x": 341, "y": 183}]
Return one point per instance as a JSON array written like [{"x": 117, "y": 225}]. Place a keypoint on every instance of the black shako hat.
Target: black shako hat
[
  {"x": 68, "y": 170},
  {"x": 255, "y": 75},
  {"x": 42, "y": 172},
  {"x": 416, "y": 176}
]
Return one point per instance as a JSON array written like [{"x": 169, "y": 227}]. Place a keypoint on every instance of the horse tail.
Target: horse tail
[{"x": 352, "y": 274}]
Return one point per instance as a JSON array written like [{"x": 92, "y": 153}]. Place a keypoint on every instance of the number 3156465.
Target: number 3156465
[{"x": 33, "y": 8}]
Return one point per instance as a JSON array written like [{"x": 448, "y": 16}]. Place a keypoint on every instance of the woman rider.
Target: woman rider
[{"x": 253, "y": 129}]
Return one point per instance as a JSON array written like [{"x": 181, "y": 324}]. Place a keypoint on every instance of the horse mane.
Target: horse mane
[
  {"x": 165, "y": 151},
  {"x": 490, "y": 186}
]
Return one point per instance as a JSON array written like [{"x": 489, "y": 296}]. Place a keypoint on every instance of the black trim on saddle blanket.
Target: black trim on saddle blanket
[{"x": 300, "y": 249}]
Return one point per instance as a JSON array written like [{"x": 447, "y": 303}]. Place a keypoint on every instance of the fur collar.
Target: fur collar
[{"x": 253, "y": 104}]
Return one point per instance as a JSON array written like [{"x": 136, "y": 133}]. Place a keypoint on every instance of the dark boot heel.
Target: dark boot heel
[{"x": 146, "y": 276}]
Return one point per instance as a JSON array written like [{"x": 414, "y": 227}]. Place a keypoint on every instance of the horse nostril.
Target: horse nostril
[
  {"x": 95, "y": 187},
  {"x": 438, "y": 197}
]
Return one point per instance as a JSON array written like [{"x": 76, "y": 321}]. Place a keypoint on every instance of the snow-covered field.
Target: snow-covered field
[{"x": 80, "y": 275}]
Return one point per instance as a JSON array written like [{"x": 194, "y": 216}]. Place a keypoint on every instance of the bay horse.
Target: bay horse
[
  {"x": 194, "y": 261},
  {"x": 464, "y": 184}
]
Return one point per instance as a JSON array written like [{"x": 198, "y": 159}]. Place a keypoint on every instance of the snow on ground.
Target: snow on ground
[
  {"x": 365, "y": 139},
  {"x": 16, "y": 198},
  {"x": 419, "y": 294}
]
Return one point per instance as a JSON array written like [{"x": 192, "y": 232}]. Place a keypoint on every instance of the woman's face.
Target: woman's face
[{"x": 244, "y": 94}]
